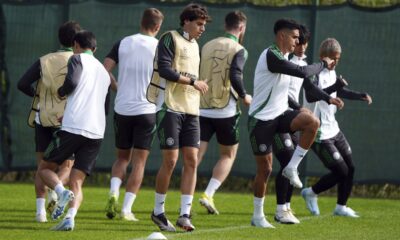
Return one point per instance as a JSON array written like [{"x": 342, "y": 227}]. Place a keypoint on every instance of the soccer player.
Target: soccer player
[
  {"x": 222, "y": 62},
  {"x": 82, "y": 130},
  {"x": 134, "y": 117},
  {"x": 284, "y": 143},
  {"x": 331, "y": 146},
  {"x": 176, "y": 89},
  {"x": 49, "y": 74},
  {"x": 269, "y": 114}
]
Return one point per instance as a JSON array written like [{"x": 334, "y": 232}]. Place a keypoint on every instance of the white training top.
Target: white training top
[
  {"x": 270, "y": 95},
  {"x": 85, "y": 111},
  {"x": 228, "y": 111},
  {"x": 324, "y": 111},
  {"x": 135, "y": 68},
  {"x": 295, "y": 82}
]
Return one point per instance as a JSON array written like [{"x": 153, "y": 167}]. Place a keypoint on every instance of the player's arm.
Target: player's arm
[
  {"x": 354, "y": 95},
  {"x": 110, "y": 62},
  {"x": 278, "y": 64},
  {"x": 166, "y": 54},
  {"x": 30, "y": 76},
  {"x": 73, "y": 75},
  {"x": 314, "y": 93},
  {"x": 293, "y": 104},
  {"x": 339, "y": 84},
  {"x": 236, "y": 75}
]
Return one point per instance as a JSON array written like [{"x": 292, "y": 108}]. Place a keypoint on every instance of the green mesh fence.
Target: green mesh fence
[{"x": 370, "y": 42}]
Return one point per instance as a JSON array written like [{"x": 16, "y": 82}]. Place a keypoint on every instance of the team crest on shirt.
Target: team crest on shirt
[
  {"x": 184, "y": 53},
  {"x": 262, "y": 148},
  {"x": 170, "y": 141}
]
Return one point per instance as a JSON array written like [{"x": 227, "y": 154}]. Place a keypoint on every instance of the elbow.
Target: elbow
[
  {"x": 305, "y": 75},
  {"x": 162, "y": 72}
]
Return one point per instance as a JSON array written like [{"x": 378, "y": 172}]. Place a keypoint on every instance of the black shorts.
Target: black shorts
[
  {"x": 284, "y": 142},
  {"x": 64, "y": 144},
  {"x": 262, "y": 132},
  {"x": 176, "y": 130},
  {"x": 332, "y": 150},
  {"x": 134, "y": 131},
  {"x": 43, "y": 136},
  {"x": 226, "y": 129}
]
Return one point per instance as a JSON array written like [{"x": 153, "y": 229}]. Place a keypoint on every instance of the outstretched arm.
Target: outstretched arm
[
  {"x": 314, "y": 94},
  {"x": 339, "y": 84},
  {"x": 354, "y": 95},
  {"x": 278, "y": 64}
]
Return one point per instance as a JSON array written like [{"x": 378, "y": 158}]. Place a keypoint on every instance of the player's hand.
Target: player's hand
[
  {"x": 59, "y": 119},
  {"x": 305, "y": 110},
  {"x": 201, "y": 86},
  {"x": 337, "y": 102},
  {"x": 368, "y": 99},
  {"x": 330, "y": 62},
  {"x": 247, "y": 100}
]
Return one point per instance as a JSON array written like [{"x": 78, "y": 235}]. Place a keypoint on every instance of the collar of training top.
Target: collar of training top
[{"x": 231, "y": 36}]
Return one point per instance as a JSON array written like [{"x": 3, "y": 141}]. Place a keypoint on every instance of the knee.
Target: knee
[
  {"x": 313, "y": 122},
  {"x": 169, "y": 164},
  {"x": 190, "y": 162},
  {"x": 268, "y": 170},
  {"x": 351, "y": 170},
  {"x": 66, "y": 165},
  {"x": 342, "y": 174}
]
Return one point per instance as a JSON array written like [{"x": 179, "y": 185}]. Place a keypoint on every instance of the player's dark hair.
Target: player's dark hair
[
  {"x": 66, "y": 33},
  {"x": 305, "y": 34},
  {"x": 285, "y": 24},
  {"x": 233, "y": 20},
  {"x": 86, "y": 39},
  {"x": 151, "y": 18},
  {"x": 193, "y": 12}
]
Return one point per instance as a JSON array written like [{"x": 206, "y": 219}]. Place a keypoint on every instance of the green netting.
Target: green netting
[{"x": 370, "y": 43}]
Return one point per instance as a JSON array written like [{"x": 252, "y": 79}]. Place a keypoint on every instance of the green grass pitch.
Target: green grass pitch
[{"x": 379, "y": 219}]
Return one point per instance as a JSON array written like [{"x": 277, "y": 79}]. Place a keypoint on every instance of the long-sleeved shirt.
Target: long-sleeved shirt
[{"x": 271, "y": 82}]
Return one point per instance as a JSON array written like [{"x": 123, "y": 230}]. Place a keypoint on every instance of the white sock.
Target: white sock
[
  {"x": 115, "y": 184},
  {"x": 159, "y": 203},
  {"x": 71, "y": 213},
  {"x": 40, "y": 209},
  {"x": 298, "y": 155},
  {"x": 212, "y": 186},
  {"x": 288, "y": 206},
  {"x": 281, "y": 207},
  {"x": 340, "y": 207},
  {"x": 258, "y": 207},
  {"x": 59, "y": 188},
  {"x": 186, "y": 204},
  {"x": 128, "y": 202}
]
